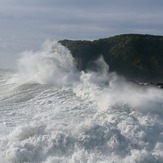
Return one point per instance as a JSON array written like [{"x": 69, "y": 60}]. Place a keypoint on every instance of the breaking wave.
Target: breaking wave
[
  {"x": 51, "y": 112},
  {"x": 53, "y": 65}
]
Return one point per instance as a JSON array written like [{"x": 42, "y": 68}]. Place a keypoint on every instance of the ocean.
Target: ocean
[{"x": 50, "y": 112}]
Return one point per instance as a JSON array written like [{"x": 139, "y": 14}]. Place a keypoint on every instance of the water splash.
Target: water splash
[{"x": 52, "y": 65}]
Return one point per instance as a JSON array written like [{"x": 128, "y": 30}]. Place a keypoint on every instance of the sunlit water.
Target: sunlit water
[{"x": 52, "y": 113}]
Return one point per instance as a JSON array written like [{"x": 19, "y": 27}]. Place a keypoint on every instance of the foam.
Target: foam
[{"x": 74, "y": 116}]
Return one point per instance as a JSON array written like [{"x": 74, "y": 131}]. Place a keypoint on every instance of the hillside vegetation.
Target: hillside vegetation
[{"x": 134, "y": 56}]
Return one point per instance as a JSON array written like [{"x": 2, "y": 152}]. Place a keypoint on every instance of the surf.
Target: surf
[{"x": 52, "y": 112}]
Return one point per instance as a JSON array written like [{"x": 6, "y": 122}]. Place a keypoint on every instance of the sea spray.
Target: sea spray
[
  {"x": 74, "y": 116},
  {"x": 52, "y": 65}
]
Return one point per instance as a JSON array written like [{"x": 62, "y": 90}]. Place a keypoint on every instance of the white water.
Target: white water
[{"x": 51, "y": 113}]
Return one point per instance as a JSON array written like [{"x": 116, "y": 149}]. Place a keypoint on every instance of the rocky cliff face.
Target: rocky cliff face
[{"x": 134, "y": 56}]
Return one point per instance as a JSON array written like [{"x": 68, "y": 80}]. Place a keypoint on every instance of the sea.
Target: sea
[{"x": 50, "y": 112}]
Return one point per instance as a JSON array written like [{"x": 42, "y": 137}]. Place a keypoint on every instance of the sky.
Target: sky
[{"x": 26, "y": 24}]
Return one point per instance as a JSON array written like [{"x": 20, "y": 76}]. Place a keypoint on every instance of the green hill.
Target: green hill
[{"x": 137, "y": 57}]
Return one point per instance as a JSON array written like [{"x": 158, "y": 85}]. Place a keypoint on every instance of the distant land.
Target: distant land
[{"x": 135, "y": 56}]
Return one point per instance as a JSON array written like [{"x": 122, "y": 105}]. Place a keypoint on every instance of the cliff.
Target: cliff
[{"x": 134, "y": 56}]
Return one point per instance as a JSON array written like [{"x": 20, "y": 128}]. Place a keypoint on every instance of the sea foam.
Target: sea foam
[{"x": 74, "y": 116}]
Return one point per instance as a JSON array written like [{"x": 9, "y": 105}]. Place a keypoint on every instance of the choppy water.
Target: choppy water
[{"x": 51, "y": 113}]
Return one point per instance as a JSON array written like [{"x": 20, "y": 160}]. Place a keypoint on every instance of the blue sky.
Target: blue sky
[{"x": 26, "y": 24}]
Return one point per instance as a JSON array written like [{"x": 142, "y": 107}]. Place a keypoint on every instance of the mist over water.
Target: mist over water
[{"x": 50, "y": 112}]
